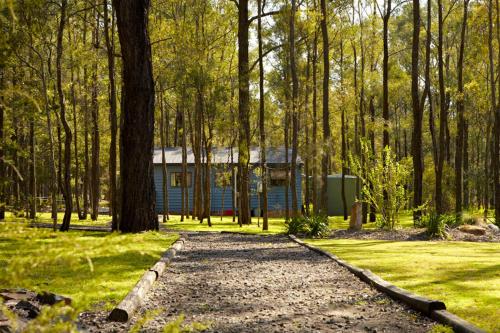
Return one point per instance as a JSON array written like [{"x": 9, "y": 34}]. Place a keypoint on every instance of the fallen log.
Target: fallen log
[{"x": 135, "y": 297}]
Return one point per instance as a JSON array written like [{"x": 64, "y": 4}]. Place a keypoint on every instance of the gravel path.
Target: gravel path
[{"x": 244, "y": 283}]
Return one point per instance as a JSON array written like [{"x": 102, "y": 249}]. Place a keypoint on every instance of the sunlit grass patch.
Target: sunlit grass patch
[
  {"x": 43, "y": 217},
  {"x": 93, "y": 268},
  {"x": 465, "y": 275}
]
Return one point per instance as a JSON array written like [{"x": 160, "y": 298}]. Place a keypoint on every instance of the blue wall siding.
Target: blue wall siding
[{"x": 276, "y": 195}]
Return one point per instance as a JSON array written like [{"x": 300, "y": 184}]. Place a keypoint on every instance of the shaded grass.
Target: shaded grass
[
  {"x": 465, "y": 275},
  {"x": 103, "y": 219},
  {"x": 95, "y": 269}
]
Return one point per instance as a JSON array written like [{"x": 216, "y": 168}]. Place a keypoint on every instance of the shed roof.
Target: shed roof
[{"x": 173, "y": 155}]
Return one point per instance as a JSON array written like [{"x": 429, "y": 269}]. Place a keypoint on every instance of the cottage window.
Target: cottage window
[
  {"x": 176, "y": 179},
  {"x": 223, "y": 179},
  {"x": 278, "y": 177}
]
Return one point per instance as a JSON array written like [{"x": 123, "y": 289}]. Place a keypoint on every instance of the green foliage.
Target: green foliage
[
  {"x": 296, "y": 226},
  {"x": 311, "y": 226},
  {"x": 384, "y": 179},
  {"x": 441, "y": 329},
  {"x": 464, "y": 275},
  {"x": 436, "y": 224}
]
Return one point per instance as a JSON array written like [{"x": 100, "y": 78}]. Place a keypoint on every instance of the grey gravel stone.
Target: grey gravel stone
[{"x": 245, "y": 283}]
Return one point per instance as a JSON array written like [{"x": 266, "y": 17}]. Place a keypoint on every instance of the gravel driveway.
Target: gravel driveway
[{"x": 245, "y": 283}]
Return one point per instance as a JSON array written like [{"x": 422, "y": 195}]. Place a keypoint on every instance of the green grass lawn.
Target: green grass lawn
[
  {"x": 103, "y": 219},
  {"x": 276, "y": 225},
  {"x": 465, "y": 275},
  {"x": 89, "y": 267}
]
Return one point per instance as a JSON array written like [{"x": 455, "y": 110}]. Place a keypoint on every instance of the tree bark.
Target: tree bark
[
  {"x": 295, "y": 116},
  {"x": 137, "y": 184},
  {"x": 262, "y": 127},
  {"x": 165, "y": 216},
  {"x": 112, "y": 117},
  {"x": 460, "y": 119},
  {"x": 68, "y": 202},
  {"x": 95, "y": 171},
  {"x": 244, "y": 113},
  {"x": 326, "y": 112},
  {"x": 416, "y": 142},
  {"x": 442, "y": 114}
]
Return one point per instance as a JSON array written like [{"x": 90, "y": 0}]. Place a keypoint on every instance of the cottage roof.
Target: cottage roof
[{"x": 173, "y": 155}]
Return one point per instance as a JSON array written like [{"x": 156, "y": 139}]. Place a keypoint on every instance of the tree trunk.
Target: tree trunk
[
  {"x": 295, "y": 116},
  {"x": 385, "y": 74},
  {"x": 244, "y": 113},
  {"x": 165, "y": 216},
  {"x": 137, "y": 133},
  {"x": 315, "y": 122},
  {"x": 75, "y": 144},
  {"x": 416, "y": 142},
  {"x": 68, "y": 202},
  {"x": 113, "y": 198},
  {"x": 460, "y": 119},
  {"x": 343, "y": 134},
  {"x": 2, "y": 143},
  {"x": 95, "y": 169},
  {"x": 325, "y": 162},
  {"x": 32, "y": 173},
  {"x": 442, "y": 115},
  {"x": 262, "y": 128},
  {"x": 496, "y": 113}
]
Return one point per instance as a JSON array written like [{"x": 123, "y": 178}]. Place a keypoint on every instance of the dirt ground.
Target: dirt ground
[{"x": 245, "y": 283}]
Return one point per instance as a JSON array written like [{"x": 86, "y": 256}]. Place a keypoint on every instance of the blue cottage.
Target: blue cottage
[{"x": 223, "y": 188}]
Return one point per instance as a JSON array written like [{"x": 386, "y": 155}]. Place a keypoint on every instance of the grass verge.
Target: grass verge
[
  {"x": 95, "y": 269},
  {"x": 465, "y": 275}
]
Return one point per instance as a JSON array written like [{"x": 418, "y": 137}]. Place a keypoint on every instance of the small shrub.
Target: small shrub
[
  {"x": 296, "y": 226},
  {"x": 436, "y": 224},
  {"x": 318, "y": 226},
  {"x": 311, "y": 226}
]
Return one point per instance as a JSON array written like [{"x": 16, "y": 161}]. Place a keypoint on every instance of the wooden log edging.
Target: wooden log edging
[
  {"x": 431, "y": 308},
  {"x": 135, "y": 297}
]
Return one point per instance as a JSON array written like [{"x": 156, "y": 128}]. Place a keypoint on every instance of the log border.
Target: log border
[
  {"x": 135, "y": 297},
  {"x": 432, "y": 308}
]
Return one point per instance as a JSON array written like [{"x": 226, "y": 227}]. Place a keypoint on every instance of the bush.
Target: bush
[
  {"x": 436, "y": 224},
  {"x": 318, "y": 226},
  {"x": 384, "y": 180},
  {"x": 296, "y": 226},
  {"x": 311, "y": 226}
]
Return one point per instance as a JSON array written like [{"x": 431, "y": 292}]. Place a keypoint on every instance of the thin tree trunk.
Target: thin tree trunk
[
  {"x": 95, "y": 169},
  {"x": 244, "y": 113},
  {"x": 418, "y": 163},
  {"x": 137, "y": 133},
  {"x": 295, "y": 116},
  {"x": 165, "y": 216},
  {"x": 68, "y": 202},
  {"x": 112, "y": 116},
  {"x": 315, "y": 123},
  {"x": 2, "y": 143},
  {"x": 496, "y": 114},
  {"x": 385, "y": 74},
  {"x": 460, "y": 119},
  {"x": 326, "y": 112},
  {"x": 442, "y": 115},
  {"x": 343, "y": 134},
  {"x": 262, "y": 128}
]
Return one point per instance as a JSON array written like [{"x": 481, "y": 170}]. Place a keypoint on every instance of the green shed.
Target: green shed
[{"x": 335, "y": 206}]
